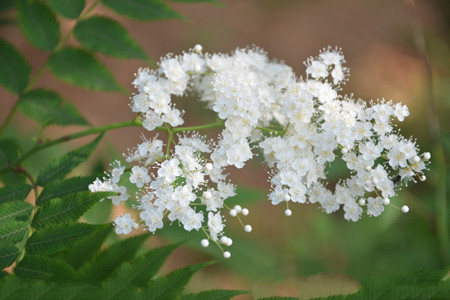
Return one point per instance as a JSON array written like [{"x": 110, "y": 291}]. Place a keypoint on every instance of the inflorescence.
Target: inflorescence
[{"x": 301, "y": 125}]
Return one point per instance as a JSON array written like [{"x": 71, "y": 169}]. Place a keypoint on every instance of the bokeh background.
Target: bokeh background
[{"x": 381, "y": 42}]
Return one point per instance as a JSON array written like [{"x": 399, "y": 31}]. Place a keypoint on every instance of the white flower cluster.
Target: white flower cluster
[{"x": 301, "y": 124}]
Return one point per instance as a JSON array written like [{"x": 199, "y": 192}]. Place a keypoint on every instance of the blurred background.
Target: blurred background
[{"x": 381, "y": 42}]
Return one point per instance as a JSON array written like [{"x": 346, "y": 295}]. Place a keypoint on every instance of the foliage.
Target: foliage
[{"x": 46, "y": 249}]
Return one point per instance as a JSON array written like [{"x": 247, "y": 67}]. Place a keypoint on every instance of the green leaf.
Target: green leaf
[
  {"x": 170, "y": 286},
  {"x": 47, "y": 108},
  {"x": 106, "y": 35},
  {"x": 58, "y": 189},
  {"x": 42, "y": 267},
  {"x": 15, "y": 68},
  {"x": 67, "y": 209},
  {"x": 110, "y": 259},
  {"x": 12, "y": 287},
  {"x": 8, "y": 254},
  {"x": 58, "y": 238},
  {"x": 38, "y": 23},
  {"x": 60, "y": 167},
  {"x": 85, "y": 250},
  {"x": 81, "y": 68},
  {"x": 15, "y": 211},
  {"x": 14, "y": 192},
  {"x": 13, "y": 232},
  {"x": 138, "y": 273},
  {"x": 9, "y": 152},
  {"x": 70, "y": 9},
  {"x": 213, "y": 295},
  {"x": 144, "y": 10}
]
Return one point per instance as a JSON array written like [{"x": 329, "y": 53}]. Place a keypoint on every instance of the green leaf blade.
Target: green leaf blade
[
  {"x": 144, "y": 10},
  {"x": 58, "y": 189},
  {"x": 15, "y": 68},
  {"x": 110, "y": 259},
  {"x": 8, "y": 255},
  {"x": 58, "y": 238},
  {"x": 42, "y": 267},
  {"x": 15, "y": 211},
  {"x": 38, "y": 23},
  {"x": 86, "y": 249},
  {"x": 67, "y": 209},
  {"x": 47, "y": 108},
  {"x": 60, "y": 167},
  {"x": 13, "y": 232},
  {"x": 81, "y": 68},
  {"x": 107, "y": 36},
  {"x": 70, "y": 9},
  {"x": 170, "y": 286},
  {"x": 14, "y": 192}
]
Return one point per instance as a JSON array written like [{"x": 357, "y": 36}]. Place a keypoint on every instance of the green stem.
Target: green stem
[
  {"x": 40, "y": 146},
  {"x": 199, "y": 127}
]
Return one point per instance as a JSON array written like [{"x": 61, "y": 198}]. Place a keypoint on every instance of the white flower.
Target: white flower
[
  {"x": 124, "y": 224},
  {"x": 192, "y": 220},
  {"x": 139, "y": 176},
  {"x": 170, "y": 170},
  {"x": 215, "y": 225}
]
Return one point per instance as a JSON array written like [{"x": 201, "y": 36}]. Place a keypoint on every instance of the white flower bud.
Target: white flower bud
[
  {"x": 368, "y": 168},
  {"x": 223, "y": 239},
  {"x": 204, "y": 243},
  {"x": 209, "y": 166},
  {"x": 416, "y": 159},
  {"x": 197, "y": 68},
  {"x": 386, "y": 201},
  {"x": 238, "y": 208},
  {"x": 288, "y": 212},
  {"x": 426, "y": 156},
  {"x": 207, "y": 195},
  {"x": 233, "y": 212},
  {"x": 135, "y": 226},
  {"x": 248, "y": 228},
  {"x": 245, "y": 211},
  {"x": 344, "y": 150},
  {"x": 227, "y": 254},
  {"x": 287, "y": 197},
  {"x": 198, "y": 48},
  {"x": 422, "y": 177},
  {"x": 229, "y": 242},
  {"x": 405, "y": 209},
  {"x": 362, "y": 202}
]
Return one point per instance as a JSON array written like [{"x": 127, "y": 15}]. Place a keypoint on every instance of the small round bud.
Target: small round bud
[
  {"x": 245, "y": 211},
  {"x": 422, "y": 177},
  {"x": 198, "y": 48},
  {"x": 368, "y": 183},
  {"x": 248, "y": 228},
  {"x": 427, "y": 156},
  {"x": 405, "y": 209},
  {"x": 287, "y": 197},
  {"x": 146, "y": 89},
  {"x": 386, "y": 201},
  {"x": 416, "y": 159},
  {"x": 368, "y": 168},
  {"x": 209, "y": 166},
  {"x": 288, "y": 212},
  {"x": 233, "y": 212},
  {"x": 223, "y": 240},
  {"x": 344, "y": 150},
  {"x": 227, "y": 254},
  {"x": 362, "y": 202},
  {"x": 135, "y": 226},
  {"x": 197, "y": 68},
  {"x": 204, "y": 243},
  {"x": 238, "y": 208},
  {"x": 229, "y": 242},
  {"x": 207, "y": 195}
]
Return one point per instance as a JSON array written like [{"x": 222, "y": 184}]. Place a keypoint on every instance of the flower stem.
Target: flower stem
[{"x": 40, "y": 146}]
